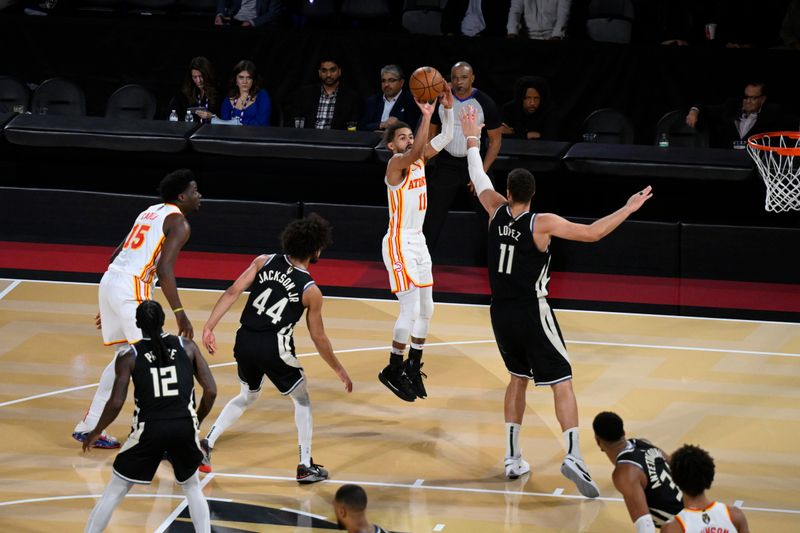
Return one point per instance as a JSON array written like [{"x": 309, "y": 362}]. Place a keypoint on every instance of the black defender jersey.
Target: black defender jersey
[
  {"x": 517, "y": 269},
  {"x": 276, "y": 296},
  {"x": 162, "y": 391},
  {"x": 664, "y": 498}
]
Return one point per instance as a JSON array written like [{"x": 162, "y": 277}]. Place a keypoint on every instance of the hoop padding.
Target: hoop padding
[{"x": 774, "y": 154}]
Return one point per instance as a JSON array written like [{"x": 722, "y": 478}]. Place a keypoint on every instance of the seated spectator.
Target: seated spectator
[
  {"x": 531, "y": 114},
  {"x": 246, "y": 100},
  {"x": 790, "y": 28},
  {"x": 738, "y": 118},
  {"x": 394, "y": 103},
  {"x": 328, "y": 104},
  {"x": 251, "y": 13},
  {"x": 199, "y": 89},
  {"x": 350, "y": 508},
  {"x": 544, "y": 19}
]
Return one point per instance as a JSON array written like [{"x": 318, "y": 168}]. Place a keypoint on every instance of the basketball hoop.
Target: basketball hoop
[{"x": 774, "y": 156}]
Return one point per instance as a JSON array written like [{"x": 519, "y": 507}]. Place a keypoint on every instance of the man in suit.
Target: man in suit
[
  {"x": 738, "y": 119},
  {"x": 328, "y": 104},
  {"x": 394, "y": 103}
]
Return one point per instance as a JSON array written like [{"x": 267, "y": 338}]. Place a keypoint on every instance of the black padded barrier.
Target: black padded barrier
[
  {"x": 740, "y": 253},
  {"x": 125, "y": 135},
  {"x": 289, "y": 143},
  {"x": 358, "y": 230},
  {"x": 102, "y": 219}
]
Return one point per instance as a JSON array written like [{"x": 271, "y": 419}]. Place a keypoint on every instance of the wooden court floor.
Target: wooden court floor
[{"x": 434, "y": 465}]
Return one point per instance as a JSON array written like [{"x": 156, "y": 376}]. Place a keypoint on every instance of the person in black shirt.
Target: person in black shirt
[
  {"x": 281, "y": 289},
  {"x": 641, "y": 474},
  {"x": 525, "y": 328},
  {"x": 162, "y": 368},
  {"x": 531, "y": 114}
]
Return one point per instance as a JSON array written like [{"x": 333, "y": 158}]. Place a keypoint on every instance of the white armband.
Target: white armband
[
  {"x": 479, "y": 179},
  {"x": 644, "y": 524},
  {"x": 443, "y": 139}
]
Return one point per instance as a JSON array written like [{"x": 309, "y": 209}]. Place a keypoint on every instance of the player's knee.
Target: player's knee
[
  {"x": 300, "y": 395},
  {"x": 248, "y": 397},
  {"x": 426, "y": 308}
]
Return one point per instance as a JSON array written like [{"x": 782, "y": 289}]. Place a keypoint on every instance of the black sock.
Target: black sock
[
  {"x": 414, "y": 357},
  {"x": 395, "y": 360}
]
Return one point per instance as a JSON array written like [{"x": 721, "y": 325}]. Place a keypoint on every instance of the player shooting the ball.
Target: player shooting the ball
[{"x": 405, "y": 252}]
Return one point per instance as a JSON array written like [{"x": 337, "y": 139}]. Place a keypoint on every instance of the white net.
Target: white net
[{"x": 778, "y": 169}]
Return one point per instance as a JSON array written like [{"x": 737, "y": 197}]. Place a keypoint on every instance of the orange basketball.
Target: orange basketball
[{"x": 426, "y": 84}]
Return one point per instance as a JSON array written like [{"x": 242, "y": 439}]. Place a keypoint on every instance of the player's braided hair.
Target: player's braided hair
[
  {"x": 692, "y": 469},
  {"x": 304, "y": 237},
  {"x": 608, "y": 426},
  {"x": 150, "y": 319}
]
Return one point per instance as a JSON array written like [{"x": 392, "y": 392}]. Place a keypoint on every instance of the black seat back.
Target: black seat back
[
  {"x": 12, "y": 93},
  {"x": 60, "y": 96},
  {"x": 610, "y": 126},
  {"x": 131, "y": 101},
  {"x": 679, "y": 133}
]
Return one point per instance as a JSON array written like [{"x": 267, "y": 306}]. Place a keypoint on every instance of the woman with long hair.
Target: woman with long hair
[
  {"x": 246, "y": 100},
  {"x": 198, "y": 91}
]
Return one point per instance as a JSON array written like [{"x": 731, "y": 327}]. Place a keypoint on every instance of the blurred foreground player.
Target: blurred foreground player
[
  {"x": 165, "y": 420},
  {"x": 350, "y": 508}
]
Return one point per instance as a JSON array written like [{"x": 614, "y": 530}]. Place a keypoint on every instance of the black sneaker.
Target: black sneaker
[
  {"x": 415, "y": 375},
  {"x": 396, "y": 381},
  {"x": 311, "y": 474},
  {"x": 205, "y": 466}
]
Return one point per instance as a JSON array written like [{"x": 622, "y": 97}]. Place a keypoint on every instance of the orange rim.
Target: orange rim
[{"x": 754, "y": 142}]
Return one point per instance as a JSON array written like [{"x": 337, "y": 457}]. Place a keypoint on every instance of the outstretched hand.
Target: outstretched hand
[
  {"x": 469, "y": 122},
  {"x": 637, "y": 200},
  {"x": 342, "y": 374},
  {"x": 425, "y": 107},
  {"x": 446, "y": 98}
]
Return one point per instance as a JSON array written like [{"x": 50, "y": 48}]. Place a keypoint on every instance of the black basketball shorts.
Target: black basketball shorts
[
  {"x": 530, "y": 341},
  {"x": 270, "y": 354},
  {"x": 144, "y": 449}
]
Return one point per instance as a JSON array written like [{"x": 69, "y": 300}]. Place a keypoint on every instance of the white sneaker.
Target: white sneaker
[
  {"x": 576, "y": 471},
  {"x": 516, "y": 467}
]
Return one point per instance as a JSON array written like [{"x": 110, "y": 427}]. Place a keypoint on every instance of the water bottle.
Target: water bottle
[
  {"x": 173, "y": 116},
  {"x": 189, "y": 117},
  {"x": 663, "y": 141}
]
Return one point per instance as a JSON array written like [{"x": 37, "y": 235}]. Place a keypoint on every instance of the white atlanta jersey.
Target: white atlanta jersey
[
  {"x": 408, "y": 201},
  {"x": 716, "y": 518},
  {"x": 142, "y": 247}
]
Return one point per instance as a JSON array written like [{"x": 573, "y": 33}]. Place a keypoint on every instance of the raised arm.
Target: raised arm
[
  {"x": 312, "y": 299},
  {"x": 176, "y": 231},
  {"x": 123, "y": 368},
  {"x": 204, "y": 377},
  {"x": 437, "y": 143},
  {"x": 628, "y": 481},
  {"x": 228, "y": 298},
  {"x": 489, "y": 198},
  {"x": 549, "y": 225}
]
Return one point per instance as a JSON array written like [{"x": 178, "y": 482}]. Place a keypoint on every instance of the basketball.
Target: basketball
[{"x": 426, "y": 84}]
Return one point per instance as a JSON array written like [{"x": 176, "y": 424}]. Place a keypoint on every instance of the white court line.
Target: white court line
[
  {"x": 312, "y": 515},
  {"x": 560, "y": 310},
  {"x": 473, "y": 490},
  {"x": 460, "y": 343},
  {"x": 738, "y": 503},
  {"x": 438, "y": 527},
  {"x": 95, "y": 496},
  {"x": 9, "y": 288},
  {"x": 418, "y": 483},
  {"x": 181, "y": 506},
  {"x": 558, "y": 492}
]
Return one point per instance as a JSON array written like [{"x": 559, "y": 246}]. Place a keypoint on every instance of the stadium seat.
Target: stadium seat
[
  {"x": 678, "y": 133},
  {"x": 610, "y": 21},
  {"x": 366, "y": 9},
  {"x": 131, "y": 101},
  {"x": 13, "y": 92},
  {"x": 198, "y": 7},
  {"x": 610, "y": 126},
  {"x": 60, "y": 97}
]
